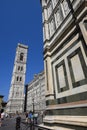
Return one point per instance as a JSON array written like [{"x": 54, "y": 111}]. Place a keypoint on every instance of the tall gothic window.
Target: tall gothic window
[
  {"x": 65, "y": 7},
  {"x": 58, "y": 17},
  {"x": 17, "y": 78},
  {"x": 51, "y": 27},
  {"x": 18, "y": 68},
  {"x": 20, "y": 78},
  {"x": 21, "y": 56},
  {"x": 21, "y": 68},
  {"x": 49, "y": 9}
]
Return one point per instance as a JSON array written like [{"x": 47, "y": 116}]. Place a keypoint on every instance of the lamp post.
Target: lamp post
[
  {"x": 33, "y": 111},
  {"x": 25, "y": 101}
]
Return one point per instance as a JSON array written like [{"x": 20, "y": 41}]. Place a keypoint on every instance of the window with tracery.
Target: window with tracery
[
  {"x": 49, "y": 9},
  {"x": 18, "y": 68},
  {"x": 21, "y": 56},
  {"x": 17, "y": 78},
  {"x": 20, "y": 78},
  {"x": 65, "y": 7},
  {"x": 21, "y": 68},
  {"x": 58, "y": 17},
  {"x": 51, "y": 27}
]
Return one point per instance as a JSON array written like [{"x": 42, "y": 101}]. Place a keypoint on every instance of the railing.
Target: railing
[
  {"x": 31, "y": 126},
  {"x": 26, "y": 126}
]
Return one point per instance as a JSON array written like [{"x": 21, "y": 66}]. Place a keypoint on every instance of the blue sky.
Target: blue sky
[{"x": 20, "y": 22}]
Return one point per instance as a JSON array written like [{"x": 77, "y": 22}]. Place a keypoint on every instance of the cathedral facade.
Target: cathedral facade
[
  {"x": 36, "y": 94},
  {"x": 16, "y": 92},
  {"x": 65, "y": 63}
]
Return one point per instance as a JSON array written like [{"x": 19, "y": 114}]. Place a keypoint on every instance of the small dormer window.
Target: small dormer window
[{"x": 21, "y": 56}]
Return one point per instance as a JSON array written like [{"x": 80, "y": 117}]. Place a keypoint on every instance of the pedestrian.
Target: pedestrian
[
  {"x": 0, "y": 120},
  {"x": 35, "y": 117},
  {"x": 2, "y": 115},
  {"x": 18, "y": 122},
  {"x": 6, "y": 115},
  {"x": 30, "y": 117},
  {"x": 42, "y": 115},
  {"x": 26, "y": 114}
]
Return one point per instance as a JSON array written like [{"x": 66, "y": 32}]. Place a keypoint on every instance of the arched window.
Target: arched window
[
  {"x": 17, "y": 93},
  {"x": 17, "y": 78},
  {"x": 21, "y": 68},
  {"x": 18, "y": 67},
  {"x": 21, "y": 56},
  {"x": 20, "y": 78}
]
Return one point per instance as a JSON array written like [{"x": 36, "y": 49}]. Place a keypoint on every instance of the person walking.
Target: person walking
[
  {"x": 18, "y": 122},
  {"x": 30, "y": 117},
  {"x": 2, "y": 115},
  {"x": 26, "y": 114},
  {"x": 35, "y": 117}
]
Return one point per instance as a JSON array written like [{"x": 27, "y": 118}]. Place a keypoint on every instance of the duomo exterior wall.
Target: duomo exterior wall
[{"x": 65, "y": 63}]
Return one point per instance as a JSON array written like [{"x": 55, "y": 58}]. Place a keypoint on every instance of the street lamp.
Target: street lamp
[
  {"x": 33, "y": 104},
  {"x": 33, "y": 111},
  {"x": 25, "y": 98}
]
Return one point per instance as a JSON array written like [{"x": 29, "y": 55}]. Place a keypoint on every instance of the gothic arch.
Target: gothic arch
[{"x": 21, "y": 56}]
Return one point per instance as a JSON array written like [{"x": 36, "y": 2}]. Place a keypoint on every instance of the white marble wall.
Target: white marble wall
[{"x": 36, "y": 91}]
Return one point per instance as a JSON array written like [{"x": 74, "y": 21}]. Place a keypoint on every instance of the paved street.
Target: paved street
[{"x": 10, "y": 123}]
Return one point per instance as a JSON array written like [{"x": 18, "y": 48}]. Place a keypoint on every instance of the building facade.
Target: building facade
[
  {"x": 36, "y": 94},
  {"x": 1, "y": 101},
  {"x": 65, "y": 63},
  {"x": 16, "y": 93}
]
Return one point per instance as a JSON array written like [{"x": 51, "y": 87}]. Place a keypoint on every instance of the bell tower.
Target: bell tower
[{"x": 16, "y": 93}]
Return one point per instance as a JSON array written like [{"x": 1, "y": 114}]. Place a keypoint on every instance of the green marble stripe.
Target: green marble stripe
[
  {"x": 79, "y": 111},
  {"x": 68, "y": 99}
]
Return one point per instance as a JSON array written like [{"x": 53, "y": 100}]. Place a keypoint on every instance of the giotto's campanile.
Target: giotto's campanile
[{"x": 16, "y": 93}]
